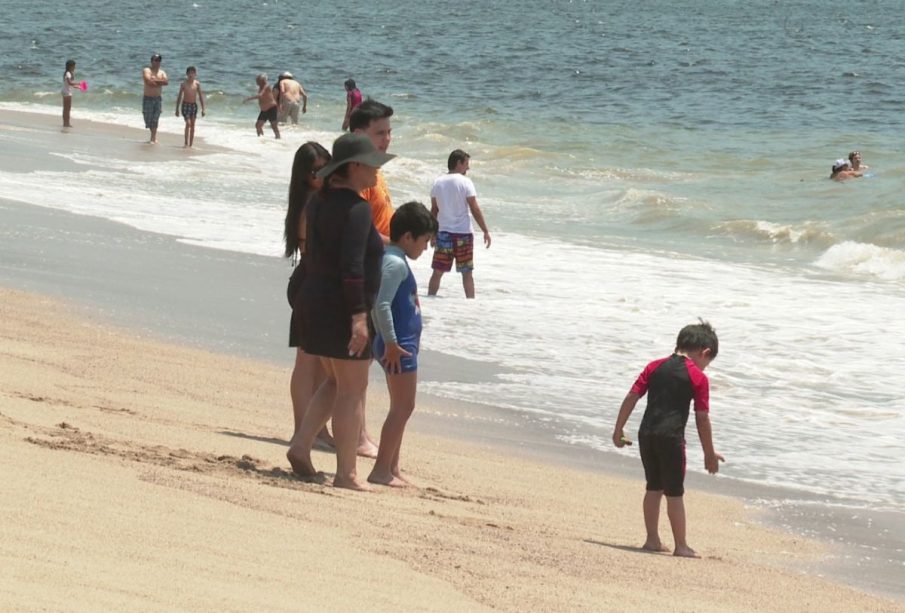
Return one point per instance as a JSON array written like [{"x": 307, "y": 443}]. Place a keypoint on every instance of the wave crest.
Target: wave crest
[{"x": 864, "y": 259}]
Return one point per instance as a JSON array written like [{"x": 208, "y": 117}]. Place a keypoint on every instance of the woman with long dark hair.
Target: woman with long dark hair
[{"x": 307, "y": 374}]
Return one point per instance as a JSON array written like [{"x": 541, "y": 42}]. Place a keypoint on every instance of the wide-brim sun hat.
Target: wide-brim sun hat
[{"x": 354, "y": 148}]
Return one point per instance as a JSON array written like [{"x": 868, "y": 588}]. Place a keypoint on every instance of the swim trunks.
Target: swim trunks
[
  {"x": 150, "y": 108},
  {"x": 189, "y": 110},
  {"x": 663, "y": 458},
  {"x": 453, "y": 246},
  {"x": 290, "y": 110},
  {"x": 268, "y": 115},
  {"x": 397, "y": 312}
]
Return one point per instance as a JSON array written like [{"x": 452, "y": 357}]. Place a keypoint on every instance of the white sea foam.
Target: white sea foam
[
  {"x": 850, "y": 257},
  {"x": 796, "y": 397}
]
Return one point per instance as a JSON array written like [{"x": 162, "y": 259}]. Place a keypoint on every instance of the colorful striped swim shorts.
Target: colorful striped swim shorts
[{"x": 452, "y": 246}]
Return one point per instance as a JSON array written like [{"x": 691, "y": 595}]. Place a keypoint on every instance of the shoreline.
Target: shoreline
[{"x": 80, "y": 272}]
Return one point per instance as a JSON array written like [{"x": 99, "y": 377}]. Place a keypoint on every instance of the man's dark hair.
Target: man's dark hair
[
  {"x": 366, "y": 112},
  {"x": 412, "y": 217},
  {"x": 455, "y": 157},
  {"x": 698, "y": 336},
  {"x": 190, "y": 69}
]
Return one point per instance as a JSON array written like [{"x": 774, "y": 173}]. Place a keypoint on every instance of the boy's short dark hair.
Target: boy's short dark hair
[
  {"x": 455, "y": 157},
  {"x": 366, "y": 112},
  {"x": 698, "y": 336},
  {"x": 412, "y": 217},
  {"x": 190, "y": 69}
]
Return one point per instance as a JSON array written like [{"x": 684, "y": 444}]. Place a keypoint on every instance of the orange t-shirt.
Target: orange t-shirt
[{"x": 381, "y": 204}]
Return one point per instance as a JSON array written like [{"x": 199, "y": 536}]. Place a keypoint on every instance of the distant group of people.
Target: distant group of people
[
  {"x": 353, "y": 295},
  {"x": 279, "y": 104},
  {"x": 850, "y": 168}
]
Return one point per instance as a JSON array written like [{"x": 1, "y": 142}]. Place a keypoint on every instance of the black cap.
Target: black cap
[{"x": 156, "y": 57}]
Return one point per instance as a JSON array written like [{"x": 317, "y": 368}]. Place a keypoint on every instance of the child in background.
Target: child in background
[
  {"x": 268, "y": 105},
  {"x": 672, "y": 383},
  {"x": 353, "y": 99},
  {"x": 190, "y": 95},
  {"x": 397, "y": 318},
  {"x": 68, "y": 86}
]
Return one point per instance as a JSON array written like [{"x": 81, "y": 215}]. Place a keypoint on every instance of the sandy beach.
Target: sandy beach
[
  {"x": 144, "y": 420},
  {"x": 141, "y": 475}
]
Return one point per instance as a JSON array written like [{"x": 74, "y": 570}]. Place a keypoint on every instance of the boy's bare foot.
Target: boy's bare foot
[
  {"x": 301, "y": 465},
  {"x": 368, "y": 450},
  {"x": 387, "y": 479},
  {"x": 351, "y": 484},
  {"x": 655, "y": 546},
  {"x": 685, "y": 552}
]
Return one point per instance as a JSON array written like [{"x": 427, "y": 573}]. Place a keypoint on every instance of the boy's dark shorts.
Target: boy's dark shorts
[
  {"x": 664, "y": 463},
  {"x": 189, "y": 110}
]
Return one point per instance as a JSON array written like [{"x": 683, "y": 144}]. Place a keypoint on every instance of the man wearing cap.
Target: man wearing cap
[
  {"x": 152, "y": 102},
  {"x": 291, "y": 91},
  {"x": 842, "y": 170}
]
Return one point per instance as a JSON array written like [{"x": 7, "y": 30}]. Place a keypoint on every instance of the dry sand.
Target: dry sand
[{"x": 144, "y": 476}]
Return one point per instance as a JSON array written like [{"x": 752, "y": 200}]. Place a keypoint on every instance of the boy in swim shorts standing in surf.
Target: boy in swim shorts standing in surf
[
  {"x": 268, "y": 105},
  {"x": 397, "y": 317},
  {"x": 190, "y": 95},
  {"x": 671, "y": 384}
]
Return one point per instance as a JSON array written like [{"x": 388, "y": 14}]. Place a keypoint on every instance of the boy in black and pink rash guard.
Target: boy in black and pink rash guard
[{"x": 671, "y": 384}]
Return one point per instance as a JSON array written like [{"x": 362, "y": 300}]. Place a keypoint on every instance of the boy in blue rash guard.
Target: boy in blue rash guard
[
  {"x": 671, "y": 384},
  {"x": 397, "y": 317}
]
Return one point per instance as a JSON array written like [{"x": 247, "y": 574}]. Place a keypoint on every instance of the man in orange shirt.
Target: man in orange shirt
[{"x": 372, "y": 119}]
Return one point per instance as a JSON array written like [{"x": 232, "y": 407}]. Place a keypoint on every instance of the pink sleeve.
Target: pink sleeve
[
  {"x": 701, "y": 386},
  {"x": 641, "y": 383}
]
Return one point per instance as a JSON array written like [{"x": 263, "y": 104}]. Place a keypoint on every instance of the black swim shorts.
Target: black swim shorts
[
  {"x": 664, "y": 463},
  {"x": 268, "y": 115}
]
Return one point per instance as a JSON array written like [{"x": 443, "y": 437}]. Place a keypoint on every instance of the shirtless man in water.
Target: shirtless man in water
[
  {"x": 151, "y": 105},
  {"x": 291, "y": 91},
  {"x": 268, "y": 105}
]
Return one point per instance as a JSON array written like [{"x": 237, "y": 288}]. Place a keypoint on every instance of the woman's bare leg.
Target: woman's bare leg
[
  {"x": 315, "y": 417},
  {"x": 351, "y": 383},
  {"x": 307, "y": 376}
]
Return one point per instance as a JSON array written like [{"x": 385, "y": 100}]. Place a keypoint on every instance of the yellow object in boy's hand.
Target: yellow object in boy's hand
[{"x": 625, "y": 440}]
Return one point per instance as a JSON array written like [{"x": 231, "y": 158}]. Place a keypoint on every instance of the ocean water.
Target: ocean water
[{"x": 640, "y": 165}]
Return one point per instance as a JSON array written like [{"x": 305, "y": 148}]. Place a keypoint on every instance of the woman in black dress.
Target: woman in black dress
[{"x": 342, "y": 275}]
